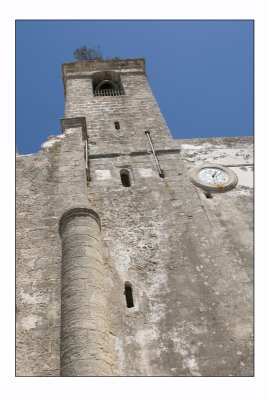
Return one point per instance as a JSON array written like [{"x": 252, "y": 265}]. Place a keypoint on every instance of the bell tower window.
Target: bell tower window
[{"x": 107, "y": 83}]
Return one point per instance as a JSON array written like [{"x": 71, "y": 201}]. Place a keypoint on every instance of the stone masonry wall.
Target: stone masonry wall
[
  {"x": 231, "y": 212},
  {"x": 136, "y": 111},
  {"x": 192, "y": 293},
  {"x": 49, "y": 184}
]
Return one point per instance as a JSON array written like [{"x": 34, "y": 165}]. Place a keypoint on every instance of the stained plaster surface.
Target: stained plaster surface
[{"x": 189, "y": 260}]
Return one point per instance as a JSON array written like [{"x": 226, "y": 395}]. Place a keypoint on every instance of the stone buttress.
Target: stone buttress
[{"x": 84, "y": 320}]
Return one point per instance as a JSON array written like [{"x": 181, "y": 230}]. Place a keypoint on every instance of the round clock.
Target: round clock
[{"x": 213, "y": 178}]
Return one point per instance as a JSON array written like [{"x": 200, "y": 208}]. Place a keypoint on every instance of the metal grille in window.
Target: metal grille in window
[{"x": 109, "y": 92}]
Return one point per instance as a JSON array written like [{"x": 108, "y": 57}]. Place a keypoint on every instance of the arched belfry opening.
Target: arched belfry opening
[{"x": 107, "y": 83}]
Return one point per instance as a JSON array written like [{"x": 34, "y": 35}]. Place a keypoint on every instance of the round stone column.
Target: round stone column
[{"x": 84, "y": 328}]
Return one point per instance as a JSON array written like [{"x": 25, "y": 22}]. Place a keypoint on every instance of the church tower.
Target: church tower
[{"x": 131, "y": 270}]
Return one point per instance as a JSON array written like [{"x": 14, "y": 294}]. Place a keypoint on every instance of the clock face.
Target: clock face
[
  {"x": 213, "y": 175},
  {"x": 213, "y": 178}
]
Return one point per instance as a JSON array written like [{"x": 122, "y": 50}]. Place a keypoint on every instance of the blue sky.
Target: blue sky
[{"x": 201, "y": 72}]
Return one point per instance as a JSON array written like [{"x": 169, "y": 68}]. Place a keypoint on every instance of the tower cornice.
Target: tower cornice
[{"x": 85, "y": 69}]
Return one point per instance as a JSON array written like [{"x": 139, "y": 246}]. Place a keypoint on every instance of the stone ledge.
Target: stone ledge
[
  {"x": 78, "y": 122},
  {"x": 134, "y": 153}
]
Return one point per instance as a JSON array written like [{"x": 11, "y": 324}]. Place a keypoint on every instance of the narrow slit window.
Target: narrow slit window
[
  {"x": 129, "y": 295},
  {"x": 117, "y": 125},
  {"x": 125, "y": 179}
]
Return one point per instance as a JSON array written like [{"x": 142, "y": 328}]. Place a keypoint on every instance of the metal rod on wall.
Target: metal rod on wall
[
  {"x": 86, "y": 160},
  {"x": 161, "y": 173}
]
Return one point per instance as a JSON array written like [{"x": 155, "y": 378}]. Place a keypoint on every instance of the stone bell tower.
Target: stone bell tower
[
  {"x": 130, "y": 270},
  {"x": 117, "y": 102}
]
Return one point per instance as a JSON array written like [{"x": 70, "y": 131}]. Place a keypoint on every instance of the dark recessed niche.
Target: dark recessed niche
[
  {"x": 208, "y": 195},
  {"x": 117, "y": 125},
  {"x": 125, "y": 178},
  {"x": 129, "y": 295}
]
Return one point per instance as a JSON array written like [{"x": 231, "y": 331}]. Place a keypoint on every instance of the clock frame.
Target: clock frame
[{"x": 213, "y": 178}]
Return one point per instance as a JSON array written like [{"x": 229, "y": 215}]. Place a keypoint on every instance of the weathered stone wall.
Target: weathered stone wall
[
  {"x": 49, "y": 184},
  {"x": 188, "y": 258},
  {"x": 136, "y": 111},
  {"x": 231, "y": 213},
  {"x": 37, "y": 267},
  {"x": 191, "y": 279}
]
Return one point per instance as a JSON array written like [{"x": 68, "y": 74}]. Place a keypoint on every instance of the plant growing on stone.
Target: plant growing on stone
[{"x": 85, "y": 53}]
